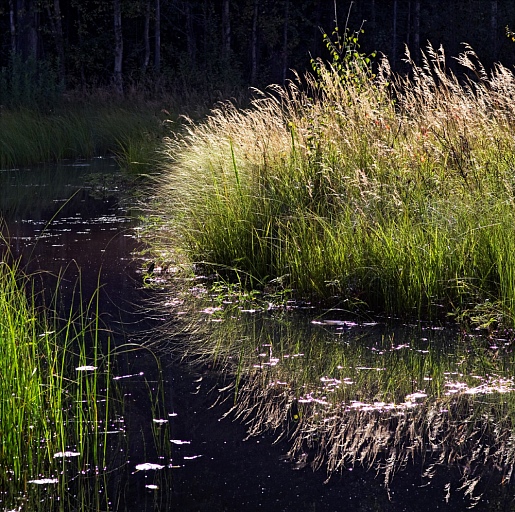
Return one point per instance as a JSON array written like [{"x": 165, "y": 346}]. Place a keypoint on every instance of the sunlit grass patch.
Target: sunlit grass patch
[{"x": 393, "y": 191}]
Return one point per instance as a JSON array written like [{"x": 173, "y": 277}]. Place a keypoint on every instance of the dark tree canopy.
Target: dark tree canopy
[{"x": 218, "y": 45}]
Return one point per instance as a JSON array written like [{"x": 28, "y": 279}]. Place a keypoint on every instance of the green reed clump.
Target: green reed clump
[
  {"x": 49, "y": 405},
  {"x": 29, "y": 137},
  {"x": 390, "y": 190}
]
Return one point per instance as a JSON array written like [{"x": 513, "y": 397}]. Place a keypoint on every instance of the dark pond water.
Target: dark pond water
[{"x": 411, "y": 418}]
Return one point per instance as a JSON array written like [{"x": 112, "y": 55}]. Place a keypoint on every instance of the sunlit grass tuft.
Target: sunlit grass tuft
[{"x": 394, "y": 191}]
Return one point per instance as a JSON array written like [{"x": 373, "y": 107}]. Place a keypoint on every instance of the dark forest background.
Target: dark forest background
[{"x": 219, "y": 46}]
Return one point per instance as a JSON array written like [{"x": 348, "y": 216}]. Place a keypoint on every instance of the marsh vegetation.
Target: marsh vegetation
[
  {"x": 71, "y": 386},
  {"x": 305, "y": 229},
  {"x": 354, "y": 189},
  {"x": 81, "y": 129},
  {"x": 382, "y": 192},
  {"x": 57, "y": 400}
]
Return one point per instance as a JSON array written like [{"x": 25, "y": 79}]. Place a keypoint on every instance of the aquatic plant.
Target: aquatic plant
[
  {"x": 55, "y": 394},
  {"x": 394, "y": 191},
  {"x": 29, "y": 137}
]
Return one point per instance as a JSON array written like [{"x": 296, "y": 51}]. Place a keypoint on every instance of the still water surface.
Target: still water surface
[{"x": 400, "y": 418}]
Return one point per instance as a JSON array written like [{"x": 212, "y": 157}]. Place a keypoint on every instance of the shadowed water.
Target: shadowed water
[{"x": 72, "y": 230}]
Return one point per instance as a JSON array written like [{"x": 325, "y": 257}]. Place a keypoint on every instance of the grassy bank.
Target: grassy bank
[
  {"x": 80, "y": 130},
  {"x": 385, "y": 190},
  {"x": 55, "y": 397}
]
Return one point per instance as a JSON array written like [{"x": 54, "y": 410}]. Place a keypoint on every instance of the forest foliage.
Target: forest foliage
[{"x": 218, "y": 47}]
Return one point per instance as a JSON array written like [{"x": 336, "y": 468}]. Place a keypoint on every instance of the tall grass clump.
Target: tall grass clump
[{"x": 394, "y": 191}]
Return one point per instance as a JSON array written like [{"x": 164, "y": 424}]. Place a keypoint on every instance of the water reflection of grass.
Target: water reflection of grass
[
  {"x": 386, "y": 399},
  {"x": 33, "y": 194}
]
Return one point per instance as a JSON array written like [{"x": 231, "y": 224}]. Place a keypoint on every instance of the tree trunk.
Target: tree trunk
[
  {"x": 33, "y": 29},
  {"x": 157, "y": 33},
  {"x": 493, "y": 28},
  {"x": 254, "y": 43},
  {"x": 226, "y": 30},
  {"x": 80, "y": 31},
  {"x": 146, "y": 38},
  {"x": 27, "y": 29},
  {"x": 317, "y": 23},
  {"x": 12, "y": 26},
  {"x": 190, "y": 35},
  {"x": 373, "y": 16},
  {"x": 56, "y": 26},
  {"x": 285, "y": 39},
  {"x": 394, "y": 36},
  {"x": 408, "y": 26},
  {"x": 118, "y": 47},
  {"x": 416, "y": 31}
]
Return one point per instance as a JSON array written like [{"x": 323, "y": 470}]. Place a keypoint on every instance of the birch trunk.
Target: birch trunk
[
  {"x": 254, "y": 43},
  {"x": 118, "y": 47},
  {"x": 146, "y": 38},
  {"x": 226, "y": 30},
  {"x": 285, "y": 39}
]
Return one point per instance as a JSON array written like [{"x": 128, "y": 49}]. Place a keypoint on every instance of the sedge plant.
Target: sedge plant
[
  {"x": 29, "y": 136},
  {"x": 394, "y": 191},
  {"x": 55, "y": 396}
]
